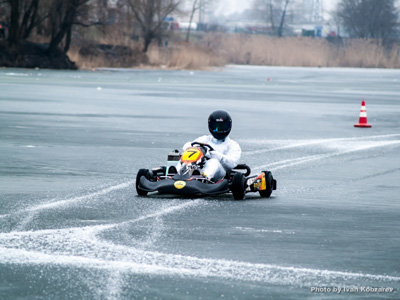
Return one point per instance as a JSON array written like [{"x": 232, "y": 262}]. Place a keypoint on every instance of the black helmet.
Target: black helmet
[{"x": 220, "y": 124}]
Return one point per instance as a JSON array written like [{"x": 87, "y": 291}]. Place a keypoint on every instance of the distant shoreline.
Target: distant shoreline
[
  {"x": 207, "y": 69},
  {"x": 215, "y": 51}
]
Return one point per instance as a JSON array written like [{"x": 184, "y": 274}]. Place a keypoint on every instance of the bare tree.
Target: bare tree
[
  {"x": 198, "y": 5},
  {"x": 63, "y": 17},
  {"x": 150, "y": 15},
  {"x": 368, "y": 18},
  {"x": 194, "y": 8},
  {"x": 270, "y": 11},
  {"x": 263, "y": 10},
  {"x": 283, "y": 15},
  {"x": 23, "y": 18}
]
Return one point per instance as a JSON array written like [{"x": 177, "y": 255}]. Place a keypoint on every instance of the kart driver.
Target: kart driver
[{"x": 226, "y": 152}]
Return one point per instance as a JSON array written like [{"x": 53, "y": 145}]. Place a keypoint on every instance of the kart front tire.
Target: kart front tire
[
  {"x": 238, "y": 186},
  {"x": 269, "y": 183},
  {"x": 140, "y": 173}
]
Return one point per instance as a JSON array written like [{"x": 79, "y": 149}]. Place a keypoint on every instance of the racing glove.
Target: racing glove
[{"x": 215, "y": 154}]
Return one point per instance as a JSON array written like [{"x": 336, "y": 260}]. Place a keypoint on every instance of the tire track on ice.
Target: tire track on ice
[
  {"x": 305, "y": 143},
  {"x": 129, "y": 260},
  {"x": 72, "y": 246},
  {"x": 73, "y": 200},
  {"x": 186, "y": 266},
  {"x": 301, "y": 160},
  {"x": 82, "y": 247},
  {"x": 32, "y": 211}
]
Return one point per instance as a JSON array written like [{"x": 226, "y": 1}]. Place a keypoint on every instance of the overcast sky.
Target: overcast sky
[{"x": 227, "y": 7}]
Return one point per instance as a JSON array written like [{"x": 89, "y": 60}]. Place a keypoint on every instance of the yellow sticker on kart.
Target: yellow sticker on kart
[
  {"x": 191, "y": 155},
  {"x": 257, "y": 185},
  {"x": 179, "y": 184},
  {"x": 263, "y": 182}
]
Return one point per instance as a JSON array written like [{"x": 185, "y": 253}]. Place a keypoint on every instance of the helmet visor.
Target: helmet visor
[{"x": 220, "y": 126}]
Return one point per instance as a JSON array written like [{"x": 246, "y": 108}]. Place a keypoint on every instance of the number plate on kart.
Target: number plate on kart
[{"x": 191, "y": 155}]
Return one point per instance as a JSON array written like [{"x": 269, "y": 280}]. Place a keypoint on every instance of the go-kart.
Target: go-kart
[{"x": 190, "y": 182}]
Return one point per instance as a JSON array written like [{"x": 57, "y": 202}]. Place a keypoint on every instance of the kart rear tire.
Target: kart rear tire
[
  {"x": 238, "y": 186},
  {"x": 269, "y": 183},
  {"x": 140, "y": 173}
]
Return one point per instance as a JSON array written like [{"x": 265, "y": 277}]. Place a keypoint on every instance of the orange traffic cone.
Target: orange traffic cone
[{"x": 362, "y": 122}]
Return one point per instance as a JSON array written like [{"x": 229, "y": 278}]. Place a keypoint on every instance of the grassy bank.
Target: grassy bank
[{"x": 216, "y": 50}]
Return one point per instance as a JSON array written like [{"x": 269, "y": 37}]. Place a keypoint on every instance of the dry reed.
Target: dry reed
[
  {"x": 185, "y": 56},
  {"x": 302, "y": 51},
  {"x": 220, "y": 49},
  {"x": 263, "y": 50},
  {"x": 367, "y": 54}
]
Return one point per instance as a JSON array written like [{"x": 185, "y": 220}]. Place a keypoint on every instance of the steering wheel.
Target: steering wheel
[{"x": 203, "y": 145}]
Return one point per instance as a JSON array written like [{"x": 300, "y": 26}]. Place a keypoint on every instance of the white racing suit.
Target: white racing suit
[{"x": 225, "y": 157}]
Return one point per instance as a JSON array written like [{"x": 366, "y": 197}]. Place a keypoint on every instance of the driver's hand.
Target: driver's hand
[
  {"x": 215, "y": 154},
  {"x": 208, "y": 153}
]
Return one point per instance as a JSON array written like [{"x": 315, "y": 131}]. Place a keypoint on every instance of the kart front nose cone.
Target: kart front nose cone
[{"x": 183, "y": 187}]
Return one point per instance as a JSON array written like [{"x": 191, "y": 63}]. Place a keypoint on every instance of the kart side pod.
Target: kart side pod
[{"x": 173, "y": 158}]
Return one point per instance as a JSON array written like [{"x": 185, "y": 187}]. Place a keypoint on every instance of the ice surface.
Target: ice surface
[{"x": 71, "y": 225}]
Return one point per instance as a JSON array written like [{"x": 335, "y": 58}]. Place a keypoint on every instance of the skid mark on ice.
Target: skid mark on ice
[
  {"x": 74, "y": 200},
  {"x": 288, "y": 144},
  {"x": 263, "y": 230},
  {"x": 346, "y": 181},
  {"x": 154, "y": 263},
  {"x": 349, "y": 149},
  {"x": 114, "y": 285},
  {"x": 83, "y": 247},
  {"x": 26, "y": 221},
  {"x": 31, "y": 212},
  {"x": 156, "y": 230}
]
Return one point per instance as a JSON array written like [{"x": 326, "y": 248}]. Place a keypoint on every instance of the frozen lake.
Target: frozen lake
[{"x": 72, "y": 226}]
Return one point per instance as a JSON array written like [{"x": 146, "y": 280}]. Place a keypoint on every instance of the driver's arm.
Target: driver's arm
[
  {"x": 203, "y": 139},
  {"x": 231, "y": 159}
]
